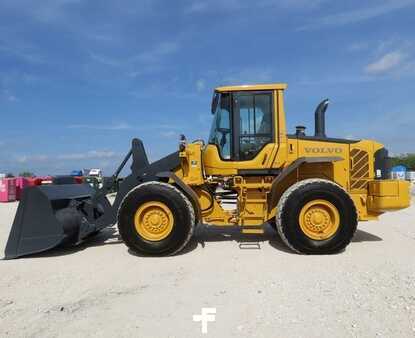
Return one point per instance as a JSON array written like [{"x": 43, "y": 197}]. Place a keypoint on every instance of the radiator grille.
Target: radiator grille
[{"x": 359, "y": 173}]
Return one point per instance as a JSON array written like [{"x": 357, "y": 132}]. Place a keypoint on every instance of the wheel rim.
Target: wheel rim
[
  {"x": 154, "y": 221},
  {"x": 319, "y": 219}
]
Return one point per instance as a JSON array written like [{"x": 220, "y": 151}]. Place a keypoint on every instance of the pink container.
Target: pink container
[
  {"x": 7, "y": 190},
  {"x": 21, "y": 183}
]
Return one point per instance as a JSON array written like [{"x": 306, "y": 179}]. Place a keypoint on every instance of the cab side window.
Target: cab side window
[
  {"x": 221, "y": 132},
  {"x": 255, "y": 123}
]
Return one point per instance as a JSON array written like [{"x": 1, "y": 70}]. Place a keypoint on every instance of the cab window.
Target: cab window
[
  {"x": 255, "y": 123},
  {"x": 221, "y": 132}
]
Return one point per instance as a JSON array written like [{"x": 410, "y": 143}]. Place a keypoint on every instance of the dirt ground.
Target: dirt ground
[{"x": 259, "y": 289}]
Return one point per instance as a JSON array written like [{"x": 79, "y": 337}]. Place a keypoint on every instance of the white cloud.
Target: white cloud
[
  {"x": 51, "y": 10},
  {"x": 145, "y": 70},
  {"x": 197, "y": 7},
  {"x": 23, "y": 52},
  {"x": 211, "y": 5},
  {"x": 169, "y": 134},
  {"x": 358, "y": 15},
  {"x": 32, "y": 158},
  {"x": 386, "y": 63},
  {"x": 335, "y": 80},
  {"x": 152, "y": 127},
  {"x": 8, "y": 96},
  {"x": 232, "y": 5},
  {"x": 158, "y": 51},
  {"x": 117, "y": 126},
  {"x": 358, "y": 46},
  {"x": 249, "y": 75},
  {"x": 105, "y": 60},
  {"x": 200, "y": 85},
  {"x": 12, "y": 98},
  {"x": 296, "y": 4},
  {"x": 142, "y": 63},
  {"x": 89, "y": 155},
  {"x": 102, "y": 37},
  {"x": 93, "y": 154}
]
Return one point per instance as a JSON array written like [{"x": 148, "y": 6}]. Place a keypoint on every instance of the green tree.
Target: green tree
[
  {"x": 408, "y": 160},
  {"x": 9, "y": 175},
  {"x": 26, "y": 174}
]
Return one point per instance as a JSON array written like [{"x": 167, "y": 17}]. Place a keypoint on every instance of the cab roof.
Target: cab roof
[{"x": 270, "y": 86}]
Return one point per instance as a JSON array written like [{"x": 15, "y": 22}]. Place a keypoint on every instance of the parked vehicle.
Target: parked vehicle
[
  {"x": 95, "y": 173},
  {"x": 76, "y": 173},
  {"x": 313, "y": 189}
]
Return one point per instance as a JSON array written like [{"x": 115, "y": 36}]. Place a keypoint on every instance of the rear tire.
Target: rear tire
[
  {"x": 272, "y": 224},
  {"x": 163, "y": 202},
  {"x": 316, "y": 216}
]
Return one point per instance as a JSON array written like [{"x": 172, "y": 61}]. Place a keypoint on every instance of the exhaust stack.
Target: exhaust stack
[{"x": 320, "y": 119}]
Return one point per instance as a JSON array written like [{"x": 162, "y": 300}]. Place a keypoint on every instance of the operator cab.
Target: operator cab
[
  {"x": 245, "y": 129},
  {"x": 243, "y": 122}
]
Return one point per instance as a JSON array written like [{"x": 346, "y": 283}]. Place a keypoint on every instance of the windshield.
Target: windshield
[{"x": 220, "y": 133}]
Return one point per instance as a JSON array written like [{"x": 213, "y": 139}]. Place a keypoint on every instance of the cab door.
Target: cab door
[
  {"x": 253, "y": 124},
  {"x": 250, "y": 142}
]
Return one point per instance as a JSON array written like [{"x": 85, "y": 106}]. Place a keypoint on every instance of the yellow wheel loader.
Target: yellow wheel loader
[{"x": 312, "y": 189}]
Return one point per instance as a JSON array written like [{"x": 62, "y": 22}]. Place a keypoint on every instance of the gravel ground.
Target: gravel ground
[{"x": 259, "y": 289}]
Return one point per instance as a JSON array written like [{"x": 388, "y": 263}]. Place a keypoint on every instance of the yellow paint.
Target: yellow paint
[
  {"x": 280, "y": 156},
  {"x": 153, "y": 221},
  {"x": 388, "y": 195},
  {"x": 319, "y": 219},
  {"x": 212, "y": 212},
  {"x": 271, "y": 86},
  {"x": 354, "y": 172},
  {"x": 273, "y": 155},
  {"x": 191, "y": 164},
  {"x": 214, "y": 165},
  {"x": 253, "y": 198},
  {"x": 246, "y": 230}
]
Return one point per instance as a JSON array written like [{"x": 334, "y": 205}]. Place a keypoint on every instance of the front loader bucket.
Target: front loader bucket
[{"x": 53, "y": 215}]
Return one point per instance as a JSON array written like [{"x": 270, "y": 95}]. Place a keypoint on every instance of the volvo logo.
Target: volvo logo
[{"x": 323, "y": 150}]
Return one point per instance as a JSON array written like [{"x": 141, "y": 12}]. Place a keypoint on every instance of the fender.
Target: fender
[
  {"x": 272, "y": 201},
  {"x": 186, "y": 190}
]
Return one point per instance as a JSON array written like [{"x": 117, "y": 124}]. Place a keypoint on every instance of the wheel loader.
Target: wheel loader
[{"x": 313, "y": 189}]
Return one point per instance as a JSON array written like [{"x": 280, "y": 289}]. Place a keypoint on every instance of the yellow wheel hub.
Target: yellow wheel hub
[
  {"x": 153, "y": 221},
  {"x": 319, "y": 219}
]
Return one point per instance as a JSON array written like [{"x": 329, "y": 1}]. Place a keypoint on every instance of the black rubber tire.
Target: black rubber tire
[
  {"x": 289, "y": 208},
  {"x": 178, "y": 203},
  {"x": 272, "y": 224}
]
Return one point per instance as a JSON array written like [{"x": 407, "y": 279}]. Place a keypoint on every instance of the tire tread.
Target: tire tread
[
  {"x": 185, "y": 199},
  {"x": 285, "y": 196}
]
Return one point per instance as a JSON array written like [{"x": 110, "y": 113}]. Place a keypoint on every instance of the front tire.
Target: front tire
[
  {"x": 316, "y": 216},
  {"x": 156, "y": 219}
]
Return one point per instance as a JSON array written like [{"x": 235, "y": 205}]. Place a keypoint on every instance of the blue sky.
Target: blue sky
[{"x": 80, "y": 78}]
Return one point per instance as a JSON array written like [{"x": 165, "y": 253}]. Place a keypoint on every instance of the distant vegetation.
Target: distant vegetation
[
  {"x": 26, "y": 174},
  {"x": 408, "y": 160},
  {"x": 22, "y": 174}
]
